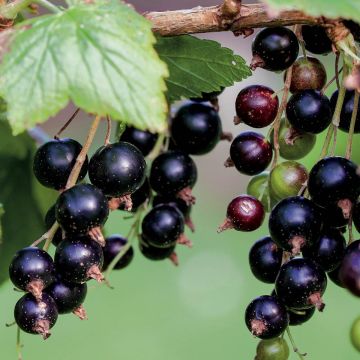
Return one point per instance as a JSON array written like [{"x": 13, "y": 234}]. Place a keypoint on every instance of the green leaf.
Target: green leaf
[
  {"x": 348, "y": 9},
  {"x": 198, "y": 66},
  {"x": 98, "y": 55}
]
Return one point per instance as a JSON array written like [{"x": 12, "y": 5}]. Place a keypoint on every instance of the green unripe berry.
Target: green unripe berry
[{"x": 273, "y": 349}]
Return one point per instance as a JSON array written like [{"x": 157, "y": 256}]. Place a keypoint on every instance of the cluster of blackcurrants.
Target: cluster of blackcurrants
[
  {"x": 309, "y": 212},
  {"x": 119, "y": 180}
]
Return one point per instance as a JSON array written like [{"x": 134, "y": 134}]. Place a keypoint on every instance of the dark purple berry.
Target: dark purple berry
[
  {"x": 295, "y": 222},
  {"x": 333, "y": 217},
  {"x": 257, "y": 106},
  {"x": 334, "y": 276},
  {"x": 266, "y": 317},
  {"x": 299, "y": 317},
  {"x": 196, "y": 128},
  {"x": 54, "y": 161},
  {"x": 142, "y": 139},
  {"x": 115, "y": 244},
  {"x": 251, "y": 153},
  {"x": 117, "y": 169},
  {"x": 31, "y": 270},
  {"x": 316, "y": 39},
  {"x": 301, "y": 284},
  {"x": 49, "y": 222},
  {"x": 274, "y": 49},
  {"x": 265, "y": 259},
  {"x": 309, "y": 111},
  {"x": 156, "y": 253},
  {"x": 36, "y": 317}
]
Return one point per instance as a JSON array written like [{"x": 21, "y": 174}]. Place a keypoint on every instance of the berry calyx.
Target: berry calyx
[
  {"x": 54, "y": 161},
  {"x": 274, "y": 49},
  {"x": 32, "y": 270},
  {"x": 266, "y": 317},
  {"x": 244, "y": 213},
  {"x": 36, "y": 317},
  {"x": 138, "y": 198},
  {"x": 316, "y": 39},
  {"x": 256, "y": 106},
  {"x": 113, "y": 245},
  {"x": 142, "y": 139},
  {"x": 250, "y": 153}
]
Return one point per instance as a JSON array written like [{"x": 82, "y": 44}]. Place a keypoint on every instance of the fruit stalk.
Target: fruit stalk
[
  {"x": 295, "y": 348},
  {"x": 352, "y": 125},
  {"x": 18, "y": 343},
  {"x": 72, "y": 117}
]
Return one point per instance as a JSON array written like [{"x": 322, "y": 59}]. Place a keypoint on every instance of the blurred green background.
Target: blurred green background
[{"x": 159, "y": 312}]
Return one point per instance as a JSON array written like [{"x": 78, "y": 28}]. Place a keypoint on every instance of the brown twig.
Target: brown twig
[{"x": 72, "y": 117}]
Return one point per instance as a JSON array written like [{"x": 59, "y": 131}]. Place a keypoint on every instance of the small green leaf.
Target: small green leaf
[
  {"x": 98, "y": 55},
  {"x": 347, "y": 9},
  {"x": 198, "y": 66}
]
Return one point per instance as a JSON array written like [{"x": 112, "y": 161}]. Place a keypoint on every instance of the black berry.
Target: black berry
[
  {"x": 49, "y": 222},
  {"x": 299, "y": 317},
  {"x": 316, "y": 39},
  {"x": 155, "y": 253},
  {"x": 115, "y": 244},
  {"x": 142, "y": 139}
]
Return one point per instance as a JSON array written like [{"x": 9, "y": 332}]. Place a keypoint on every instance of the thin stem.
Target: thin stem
[
  {"x": 108, "y": 131},
  {"x": 50, "y": 235},
  {"x": 295, "y": 348},
  {"x": 350, "y": 228},
  {"x": 301, "y": 41},
  {"x": 72, "y": 117},
  {"x": 335, "y": 77},
  {"x": 157, "y": 148},
  {"x": 352, "y": 125},
  {"x": 18, "y": 343},
  {"x": 48, "y": 5},
  {"x": 337, "y": 71},
  {"x": 333, "y": 148}
]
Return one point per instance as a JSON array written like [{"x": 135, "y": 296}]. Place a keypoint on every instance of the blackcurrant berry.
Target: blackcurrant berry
[
  {"x": 205, "y": 97},
  {"x": 31, "y": 270},
  {"x": 244, "y": 213},
  {"x": 274, "y": 49},
  {"x": 356, "y": 216},
  {"x": 142, "y": 139},
  {"x": 346, "y": 111},
  {"x": 117, "y": 169},
  {"x": 174, "y": 173},
  {"x": 155, "y": 253},
  {"x": 266, "y": 317},
  {"x": 251, "y": 153},
  {"x": 333, "y": 217},
  {"x": 36, "y": 317},
  {"x": 196, "y": 128},
  {"x": 79, "y": 259},
  {"x": 308, "y": 74},
  {"x": 272, "y": 349},
  {"x": 138, "y": 198},
  {"x": 257, "y": 106},
  {"x": 316, "y": 39},
  {"x": 349, "y": 273},
  {"x": 286, "y": 179},
  {"x": 299, "y": 317},
  {"x": 328, "y": 251},
  {"x": 354, "y": 28},
  {"x": 334, "y": 276},
  {"x": 81, "y": 208},
  {"x": 265, "y": 259},
  {"x": 114, "y": 245},
  {"x": 163, "y": 226},
  {"x": 54, "y": 161},
  {"x": 49, "y": 222},
  {"x": 309, "y": 111},
  {"x": 295, "y": 222},
  {"x": 68, "y": 297},
  {"x": 259, "y": 188},
  {"x": 334, "y": 180},
  {"x": 301, "y": 283}
]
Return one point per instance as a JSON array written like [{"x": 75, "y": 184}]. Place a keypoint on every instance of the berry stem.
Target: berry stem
[
  {"x": 72, "y": 117},
  {"x": 50, "y": 235},
  {"x": 337, "y": 71},
  {"x": 158, "y": 147},
  {"x": 295, "y": 348},
  {"x": 108, "y": 131},
  {"x": 18, "y": 343},
  {"x": 301, "y": 41},
  {"x": 350, "y": 228},
  {"x": 352, "y": 125},
  {"x": 335, "y": 77}
]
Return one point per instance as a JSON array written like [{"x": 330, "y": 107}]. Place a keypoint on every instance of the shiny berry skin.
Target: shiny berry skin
[
  {"x": 299, "y": 317},
  {"x": 205, "y": 97},
  {"x": 316, "y": 39},
  {"x": 266, "y": 317},
  {"x": 114, "y": 244},
  {"x": 328, "y": 251},
  {"x": 67, "y": 296},
  {"x": 155, "y": 253},
  {"x": 36, "y": 317},
  {"x": 31, "y": 270},
  {"x": 301, "y": 284},
  {"x": 196, "y": 128},
  {"x": 244, "y": 213},
  {"x": 333, "y": 179},
  {"x": 274, "y": 49},
  {"x": 272, "y": 349},
  {"x": 258, "y": 188},
  {"x": 334, "y": 276},
  {"x": 257, "y": 106},
  {"x": 308, "y": 74},
  {"x": 309, "y": 111},
  {"x": 346, "y": 111},
  {"x": 79, "y": 259},
  {"x": 117, "y": 169},
  {"x": 349, "y": 273},
  {"x": 251, "y": 153},
  {"x": 81, "y": 208},
  {"x": 180, "y": 204},
  {"x": 162, "y": 226},
  {"x": 295, "y": 222},
  {"x": 49, "y": 222},
  {"x": 142, "y": 139},
  {"x": 265, "y": 259},
  {"x": 172, "y": 172},
  {"x": 54, "y": 161},
  {"x": 139, "y": 197},
  {"x": 356, "y": 216}
]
